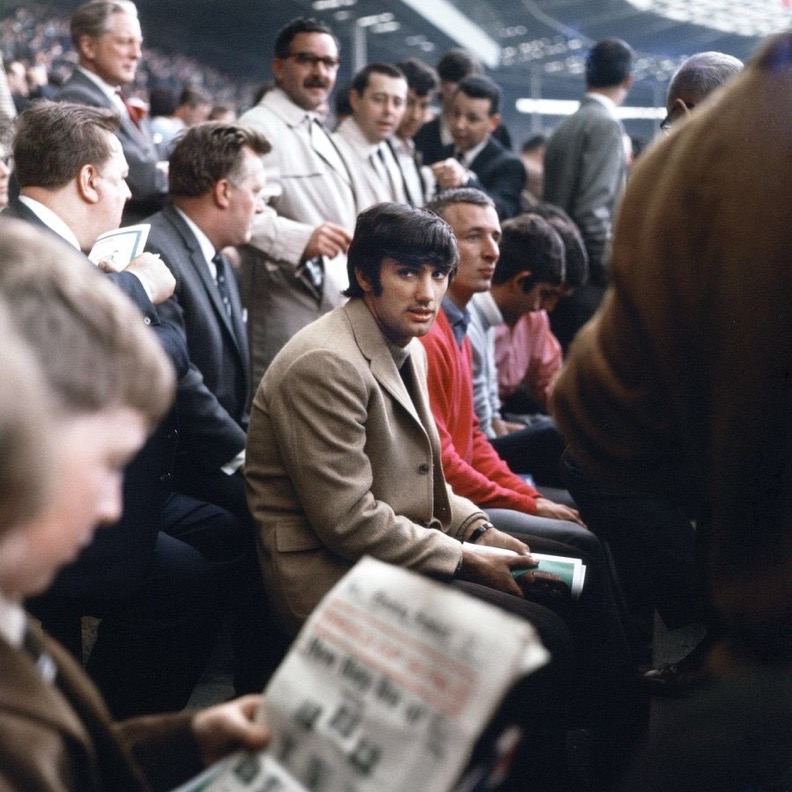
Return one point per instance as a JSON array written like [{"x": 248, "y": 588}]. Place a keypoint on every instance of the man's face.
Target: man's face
[
  {"x": 92, "y": 451},
  {"x": 478, "y": 232},
  {"x": 408, "y": 301},
  {"x": 415, "y": 113},
  {"x": 111, "y": 188},
  {"x": 379, "y": 109},
  {"x": 244, "y": 199},
  {"x": 114, "y": 56},
  {"x": 471, "y": 121},
  {"x": 309, "y": 73}
]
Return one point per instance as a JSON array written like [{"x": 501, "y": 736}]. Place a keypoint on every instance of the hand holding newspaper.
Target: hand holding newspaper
[
  {"x": 118, "y": 247},
  {"x": 386, "y": 689}
]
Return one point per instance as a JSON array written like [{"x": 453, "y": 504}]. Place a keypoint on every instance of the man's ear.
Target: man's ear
[
  {"x": 354, "y": 99},
  {"x": 363, "y": 282},
  {"x": 680, "y": 105},
  {"x": 87, "y": 184},
  {"x": 222, "y": 193},
  {"x": 494, "y": 120},
  {"x": 86, "y": 47},
  {"x": 277, "y": 67},
  {"x": 521, "y": 279}
]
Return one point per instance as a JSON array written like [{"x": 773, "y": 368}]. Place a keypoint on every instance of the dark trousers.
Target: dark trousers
[
  {"x": 258, "y": 646},
  {"x": 654, "y": 548},
  {"x": 153, "y": 643},
  {"x": 536, "y": 449}
]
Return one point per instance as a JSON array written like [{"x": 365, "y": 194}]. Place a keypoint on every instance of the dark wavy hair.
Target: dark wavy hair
[{"x": 400, "y": 232}]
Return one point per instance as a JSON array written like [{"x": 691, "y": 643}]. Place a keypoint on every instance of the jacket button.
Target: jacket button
[
  {"x": 173, "y": 434},
  {"x": 165, "y": 478},
  {"x": 423, "y": 468}
]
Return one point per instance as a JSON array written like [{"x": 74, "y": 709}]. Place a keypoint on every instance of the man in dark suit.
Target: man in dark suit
[
  {"x": 475, "y": 159},
  {"x": 67, "y": 429},
  {"x": 433, "y": 137},
  {"x": 216, "y": 184},
  {"x": 106, "y": 36},
  {"x": 156, "y": 593}
]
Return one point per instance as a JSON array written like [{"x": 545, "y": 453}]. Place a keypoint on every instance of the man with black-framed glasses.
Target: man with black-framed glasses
[
  {"x": 294, "y": 269},
  {"x": 697, "y": 77}
]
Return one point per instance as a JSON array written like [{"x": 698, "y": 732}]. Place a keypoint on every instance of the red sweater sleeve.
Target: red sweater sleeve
[{"x": 471, "y": 465}]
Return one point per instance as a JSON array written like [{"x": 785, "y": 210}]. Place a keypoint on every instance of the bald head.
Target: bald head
[{"x": 697, "y": 77}]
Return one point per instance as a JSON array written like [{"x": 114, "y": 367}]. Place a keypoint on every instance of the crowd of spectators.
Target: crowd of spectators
[
  {"x": 37, "y": 36},
  {"x": 293, "y": 423}
]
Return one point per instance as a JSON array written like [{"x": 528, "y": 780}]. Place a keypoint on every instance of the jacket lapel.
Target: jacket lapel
[
  {"x": 233, "y": 324},
  {"x": 369, "y": 339}
]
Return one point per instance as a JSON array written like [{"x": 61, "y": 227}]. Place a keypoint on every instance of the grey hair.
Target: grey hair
[{"x": 702, "y": 73}]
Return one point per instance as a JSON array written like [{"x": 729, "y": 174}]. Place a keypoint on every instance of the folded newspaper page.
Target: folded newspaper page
[
  {"x": 119, "y": 246},
  {"x": 386, "y": 689}
]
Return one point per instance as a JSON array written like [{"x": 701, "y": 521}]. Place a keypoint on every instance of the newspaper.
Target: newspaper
[
  {"x": 119, "y": 246},
  {"x": 386, "y": 689}
]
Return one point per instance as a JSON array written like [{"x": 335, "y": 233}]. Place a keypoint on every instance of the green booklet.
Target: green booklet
[{"x": 571, "y": 570}]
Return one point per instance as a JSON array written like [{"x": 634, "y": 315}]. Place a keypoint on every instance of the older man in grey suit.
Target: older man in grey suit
[
  {"x": 294, "y": 269},
  {"x": 107, "y": 37},
  {"x": 585, "y": 169}
]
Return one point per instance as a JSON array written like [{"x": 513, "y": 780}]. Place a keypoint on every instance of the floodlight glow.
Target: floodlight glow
[{"x": 446, "y": 18}]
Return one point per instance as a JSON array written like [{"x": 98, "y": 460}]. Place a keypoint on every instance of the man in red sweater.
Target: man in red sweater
[{"x": 471, "y": 464}]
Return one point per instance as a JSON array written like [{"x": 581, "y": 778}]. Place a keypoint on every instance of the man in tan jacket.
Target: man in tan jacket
[{"x": 343, "y": 457}]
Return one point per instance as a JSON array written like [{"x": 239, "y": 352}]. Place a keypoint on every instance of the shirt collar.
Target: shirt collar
[
  {"x": 487, "y": 309},
  {"x": 110, "y": 91},
  {"x": 606, "y": 101},
  {"x": 13, "y": 621},
  {"x": 207, "y": 248},
  {"x": 354, "y": 134},
  {"x": 51, "y": 220},
  {"x": 458, "y": 318},
  {"x": 280, "y": 102},
  {"x": 471, "y": 154}
]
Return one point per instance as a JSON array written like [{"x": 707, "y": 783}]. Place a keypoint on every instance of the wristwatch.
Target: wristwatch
[{"x": 479, "y": 532}]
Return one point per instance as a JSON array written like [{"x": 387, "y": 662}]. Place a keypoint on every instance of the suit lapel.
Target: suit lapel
[
  {"x": 485, "y": 156},
  {"x": 233, "y": 324},
  {"x": 369, "y": 339},
  {"x": 127, "y": 127}
]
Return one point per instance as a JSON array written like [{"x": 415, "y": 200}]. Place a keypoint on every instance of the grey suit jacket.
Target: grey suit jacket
[
  {"x": 341, "y": 462},
  {"x": 148, "y": 184},
  {"x": 584, "y": 171}
]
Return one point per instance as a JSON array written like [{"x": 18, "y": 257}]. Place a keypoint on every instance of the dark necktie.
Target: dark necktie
[{"x": 221, "y": 265}]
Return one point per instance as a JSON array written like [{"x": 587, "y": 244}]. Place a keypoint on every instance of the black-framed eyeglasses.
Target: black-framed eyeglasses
[
  {"x": 309, "y": 59},
  {"x": 665, "y": 124}
]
